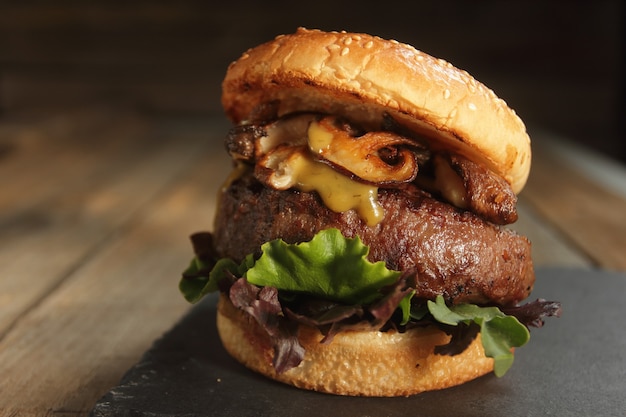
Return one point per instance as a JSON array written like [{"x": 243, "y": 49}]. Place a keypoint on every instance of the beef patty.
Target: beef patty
[{"x": 453, "y": 252}]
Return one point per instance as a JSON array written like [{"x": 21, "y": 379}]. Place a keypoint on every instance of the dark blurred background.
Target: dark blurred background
[{"x": 560, "y": 64}]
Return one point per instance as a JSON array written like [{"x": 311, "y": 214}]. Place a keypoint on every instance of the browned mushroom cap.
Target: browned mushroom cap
[{"x": 375, "y": 157}]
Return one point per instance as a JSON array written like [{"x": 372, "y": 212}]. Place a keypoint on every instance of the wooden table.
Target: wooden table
[{"x": 96, "y": 205}]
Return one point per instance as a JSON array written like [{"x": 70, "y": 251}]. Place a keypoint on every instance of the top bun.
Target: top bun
[{"x": 363, "y": 77}]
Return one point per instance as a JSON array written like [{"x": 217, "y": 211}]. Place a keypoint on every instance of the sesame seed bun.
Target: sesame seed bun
[
  {"x": 355, "y": 363},
  {"x": 363, "y": 77}
]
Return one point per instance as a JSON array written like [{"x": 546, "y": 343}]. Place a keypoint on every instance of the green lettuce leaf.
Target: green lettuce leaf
[
  {"x": 499, "y": 333},
  {"x": 329, "y": 266},
  {"x": 335, "y": 268},
  {"x": 195, "y": 283},
  {"x": 405, "y": 308}
]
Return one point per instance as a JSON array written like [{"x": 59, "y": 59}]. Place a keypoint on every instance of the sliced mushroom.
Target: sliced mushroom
[
  {"x": 290, "y": 130},
  {"x": 276, "y": 168},
  {"x": 375, "y": 157}
]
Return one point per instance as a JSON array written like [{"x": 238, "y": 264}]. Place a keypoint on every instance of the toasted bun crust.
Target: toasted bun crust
[
  {"x": 363, "y": 77},
  {"x": 365, "y": 363}
]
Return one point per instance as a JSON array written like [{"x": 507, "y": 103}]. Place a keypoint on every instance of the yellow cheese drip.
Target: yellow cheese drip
[
  {"x": 338, "y": 192},
  {"x": 319, "y": 138}
]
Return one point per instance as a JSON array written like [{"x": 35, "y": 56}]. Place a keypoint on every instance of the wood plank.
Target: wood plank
[
  {"x": 122, "y": 295},
  {"x": 549, "y": 247},
  {"x": 61, "y": 152},
  {"x": 63, "y": 210},
  {"x": 134, "y": 280},
  {"x": 588, "y": 214}
]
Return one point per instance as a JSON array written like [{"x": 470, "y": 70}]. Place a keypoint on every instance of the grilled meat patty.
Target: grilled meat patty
[{"x": 453, "y": 252}]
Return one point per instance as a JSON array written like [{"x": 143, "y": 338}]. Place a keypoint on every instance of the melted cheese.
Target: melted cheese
[
  {"x": 287, "y": 163},
  {"x": 449, "y": 183},
  {"x": 319, "y": 138},
  {"x": 338, "y": 192}
]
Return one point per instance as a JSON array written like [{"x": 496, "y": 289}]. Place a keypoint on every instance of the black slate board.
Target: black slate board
[{"x": 574, "y": 366}]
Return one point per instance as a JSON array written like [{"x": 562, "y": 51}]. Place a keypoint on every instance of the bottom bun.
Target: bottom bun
[{"x": 356, "y": 363}]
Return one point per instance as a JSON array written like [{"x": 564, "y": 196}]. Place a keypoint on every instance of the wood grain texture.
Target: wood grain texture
[
  {"x": 67, "y": 196},
  {"x": 549, "y": 247},
  {"x": 588, "y": 216},
  {"x": 100, "y": 282}
]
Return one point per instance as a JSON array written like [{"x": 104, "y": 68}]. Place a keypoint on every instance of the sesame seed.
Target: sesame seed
[
  {"x": 344, "y": 51},
  {"x": 347, "y": 41},
  {"x": 369, "y": 45},
  {"x": 446, "y": 93},
  {"x": 471, "y": 106}
]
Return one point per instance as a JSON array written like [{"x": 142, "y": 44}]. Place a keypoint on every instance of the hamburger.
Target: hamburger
[{"x": 360, "y": 244}]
